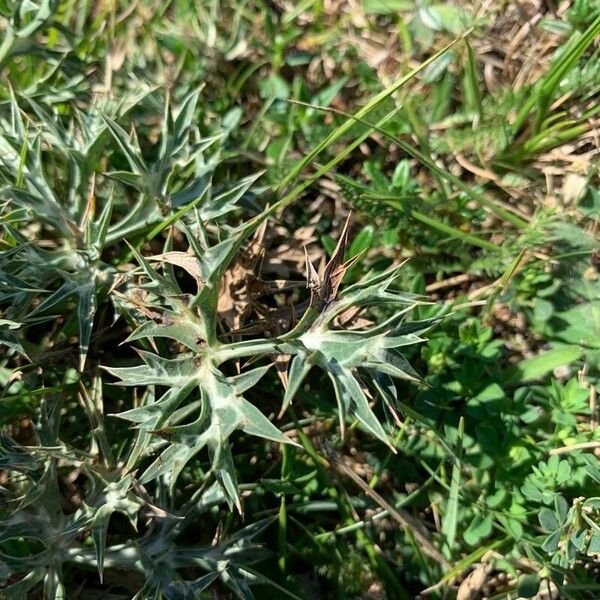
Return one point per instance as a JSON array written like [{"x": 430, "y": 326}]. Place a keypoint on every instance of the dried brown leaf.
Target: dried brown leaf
[
  {"x": 325, "y": 284},
  {"x": 188, "y": 262}
]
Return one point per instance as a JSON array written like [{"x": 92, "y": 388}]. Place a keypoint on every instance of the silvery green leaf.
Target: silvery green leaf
[
  {"x": 47, "y": 210},
  {"x": 355, "y": 401},
  {"x": 257, "y": 347},
  {"x": 151, "y": 416},
  {"x": 222, "y": 464},
  {"x": 164, "y": 285},
  {"x": 249, "y": 379},
  {"x": 114, "y": 495},
  {"x": 182, "y": 414},
  {"x": 299, "y": 368},
  {"x": 66, "y": 290},
  {"x": 398, "y": 341},
  {"x": 199, "y": 146},
  {"x": 99, "y": 530},
  {"x": 144, "y": 212},
  {"x": 55, "y": 132},
  {"x": 371, "y": 282},
  {"x": 86, "y": 309},
  {"x": 347, "y": 348},
  {"x": 128, "y": 145},
  {"x": 172, "y": 459},
  {"x": 216, "y": 259},
  {"x": 218, "y": 205},
  {"x": 384, "y": 384},
  {"x": 10, "y": 283},
  {"x": 197, "y": 188},
  {"x": 83, "y": 287},
  {"x": 95, "y": 232},
  {"x": 393, "y": 363},
  {"x": 175, "y": 326},
  {"x": 134, "y": 180},
  {"x": 230, "y": 411},
  {"x": 398, "y": 325},
  {"x": 183, "y": 121},
  {"x": 375, "y": 289},
  {"x": 176, "y": 372},
  {"x": 242, "y": 538},
  {"x": 254, "y": 422},
  {"x": 214, "y": 264},
  {"x": 415, "y": 327}
]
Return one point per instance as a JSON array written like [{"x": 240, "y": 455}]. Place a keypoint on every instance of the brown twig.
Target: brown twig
[{"x": 402, "y": 517}]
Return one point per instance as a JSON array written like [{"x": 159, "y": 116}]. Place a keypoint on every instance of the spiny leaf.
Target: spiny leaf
[
  {"x": 156, "y": 370},
  {"x": 355, "y": 402},
  {"x": 152, "y": 415},
  {"x": 254, "y": 422},
  {"x": 182, "y": 328},
  {"x": 86, "y": 310},
  {"x": 128, "y": 145},
  {"x": 298, "y": 370}
]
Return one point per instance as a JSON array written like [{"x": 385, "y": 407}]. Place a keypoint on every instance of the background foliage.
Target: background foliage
[{"x": 222, "y": 376}]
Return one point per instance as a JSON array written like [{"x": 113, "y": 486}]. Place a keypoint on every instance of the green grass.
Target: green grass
[{"x": 298, "y": 299}]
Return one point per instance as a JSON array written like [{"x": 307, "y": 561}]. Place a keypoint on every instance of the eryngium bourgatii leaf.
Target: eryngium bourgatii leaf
[
  {"x": 202, "y": 407},
  {"x": 221, "y": 411},
  {"x": 349, "y": 357}
]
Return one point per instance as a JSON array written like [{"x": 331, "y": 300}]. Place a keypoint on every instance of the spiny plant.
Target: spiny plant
[
  {"x": 141, "y": 452},
  {"x": 213, "y": 402},
  {"x": 67, "y": 211},
  {"x": 24, "y": 21},
  {"x": 35, "y": 153},
  {"x": 39, "y": 539},
  {"x": 59, "y": 265}
]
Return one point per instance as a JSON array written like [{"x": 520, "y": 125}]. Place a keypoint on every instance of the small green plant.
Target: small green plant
[
  {"x": 571, "y": 531},
  {"x": 546, "y": 479}
]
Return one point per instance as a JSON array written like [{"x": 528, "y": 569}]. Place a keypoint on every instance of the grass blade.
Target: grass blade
[
  {"x": 450, "y": 522},
  {"x": 375, "y": 102},
  {"x": 425, "y": 160},
  {"x": 544, "y": 92}
]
